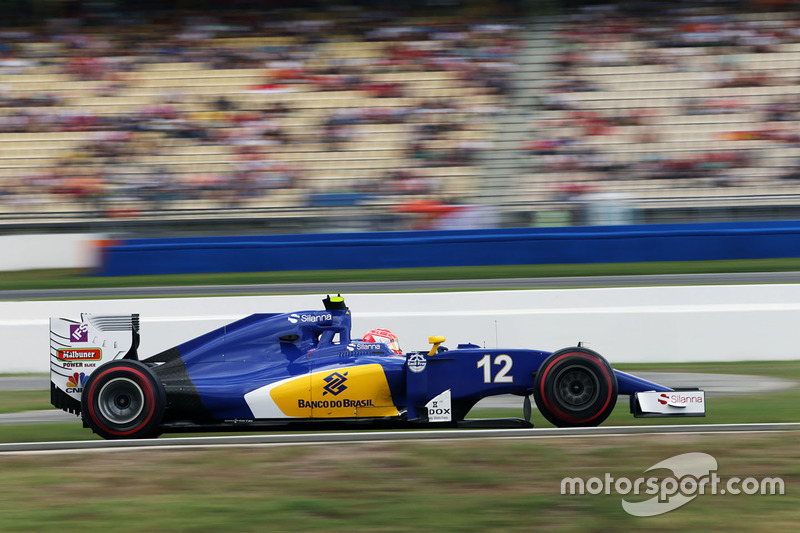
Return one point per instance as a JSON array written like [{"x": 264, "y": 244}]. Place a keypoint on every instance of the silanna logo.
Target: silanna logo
[
  {"x": 75, "y": 382},
  {"x": 334, "y": 383},
  {"x": 677, "y": 399},
  {"x": 294, "y": 318}
]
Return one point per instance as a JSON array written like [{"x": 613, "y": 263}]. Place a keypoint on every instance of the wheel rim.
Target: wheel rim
[
  {"x": 577, "y": 387},
  {"x": 121, "y": 400}
]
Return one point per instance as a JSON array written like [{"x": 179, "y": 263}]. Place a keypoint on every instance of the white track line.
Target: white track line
[{"x": 388, "y": 436}]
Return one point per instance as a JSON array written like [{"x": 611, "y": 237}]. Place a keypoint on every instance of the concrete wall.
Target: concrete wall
[
  {"x": 652, "y": 324},
  {"x": 29, "y": 252}
]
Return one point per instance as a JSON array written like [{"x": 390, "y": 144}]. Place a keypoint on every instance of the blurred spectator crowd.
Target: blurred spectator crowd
[
  {"x": 358, "y": 106},
  {"x": 653, "y": 97},
  {"x": 251, "y": 109}
]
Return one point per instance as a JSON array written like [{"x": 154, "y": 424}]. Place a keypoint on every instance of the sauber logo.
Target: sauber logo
[
  {"x": 334, "y": 383},
  {"x": 294, "y": 318}
]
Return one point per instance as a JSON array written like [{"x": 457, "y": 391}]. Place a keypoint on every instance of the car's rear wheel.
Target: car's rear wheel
[
  {"x": 575, "y": 387},
  {"x": 123, "y": 400}
]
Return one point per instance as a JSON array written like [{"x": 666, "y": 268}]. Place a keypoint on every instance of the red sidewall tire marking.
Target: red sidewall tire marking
[
  {"x": 559, "y": 412},
  {"x": 146, "y": 385}
]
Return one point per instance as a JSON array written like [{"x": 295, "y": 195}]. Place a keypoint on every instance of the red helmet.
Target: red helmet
[{"x": 384, "y": 336}]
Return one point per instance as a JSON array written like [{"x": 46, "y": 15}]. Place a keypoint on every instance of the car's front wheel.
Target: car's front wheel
[
  {"x": 123, "y": 400},
  {"x": 575, "y": 387}
]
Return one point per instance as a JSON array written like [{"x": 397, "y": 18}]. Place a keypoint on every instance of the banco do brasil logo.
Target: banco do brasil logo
[{"x": 334, "y": 383}]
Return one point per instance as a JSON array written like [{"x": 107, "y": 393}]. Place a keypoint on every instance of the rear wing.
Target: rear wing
[{"x": 77, "y": 348}]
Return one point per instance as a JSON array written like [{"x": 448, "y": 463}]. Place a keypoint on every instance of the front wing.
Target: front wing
[{"x": 668, "y": 404}]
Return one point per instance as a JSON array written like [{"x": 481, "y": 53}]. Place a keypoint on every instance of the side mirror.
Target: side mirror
[{"x": 435, "y": 341}]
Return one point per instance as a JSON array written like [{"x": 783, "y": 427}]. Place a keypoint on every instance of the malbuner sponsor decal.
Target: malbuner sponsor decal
[{"x": 79, "y": 354}]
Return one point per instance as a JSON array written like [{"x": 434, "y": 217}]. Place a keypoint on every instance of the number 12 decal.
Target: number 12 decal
[{"x": 502, "y": 375}]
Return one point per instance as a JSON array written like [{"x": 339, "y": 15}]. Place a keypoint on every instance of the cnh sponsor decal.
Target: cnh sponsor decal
[
  {"x": 79, "y": 354},
  {"x": 75, "y": 382},
  {"x": 693, "y": 474}
]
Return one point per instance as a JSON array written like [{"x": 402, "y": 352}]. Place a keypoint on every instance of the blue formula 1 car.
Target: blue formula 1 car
[{"x": 303, "y": 369}]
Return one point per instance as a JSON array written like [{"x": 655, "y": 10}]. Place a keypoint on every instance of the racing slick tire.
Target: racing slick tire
[
  {"x": 575, "y": 387},
  {"x": 123, "y": 400}
]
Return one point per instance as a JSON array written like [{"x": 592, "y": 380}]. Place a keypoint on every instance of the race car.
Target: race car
[{"x": 304, "y": 370}]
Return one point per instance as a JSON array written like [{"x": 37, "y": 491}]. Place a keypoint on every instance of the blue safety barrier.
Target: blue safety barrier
[{"x": 518, "y": 246}]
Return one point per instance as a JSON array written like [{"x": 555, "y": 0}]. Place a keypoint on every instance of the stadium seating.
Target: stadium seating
[{"x": 531, "y": 117}]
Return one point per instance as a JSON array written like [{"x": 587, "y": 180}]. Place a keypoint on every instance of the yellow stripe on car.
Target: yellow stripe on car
[{"x": 352, "y": 391}]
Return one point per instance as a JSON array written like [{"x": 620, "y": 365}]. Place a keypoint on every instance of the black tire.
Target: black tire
[
  {"x": 123, "y": 400},
  {"x": 575, "y": 387}
]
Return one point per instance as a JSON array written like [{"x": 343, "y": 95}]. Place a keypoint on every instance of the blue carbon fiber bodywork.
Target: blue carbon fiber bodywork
[{"x": 261, "y": 350}]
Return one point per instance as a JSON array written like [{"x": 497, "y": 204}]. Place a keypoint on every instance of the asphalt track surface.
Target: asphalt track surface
[
  {"x": 387, "y": 436},
  {"x": 390, "y": 286}
]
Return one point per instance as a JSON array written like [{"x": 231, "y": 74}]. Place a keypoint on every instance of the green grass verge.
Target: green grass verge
[
  {"x": 464, "y": 486},
  {"x": 51, "y": 432},
  {"x": 71, "y": 278},
  {"x": 25, "y": 400}
]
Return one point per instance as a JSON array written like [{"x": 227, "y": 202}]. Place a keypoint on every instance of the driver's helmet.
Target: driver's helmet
[{"x": 384, "y": 336}]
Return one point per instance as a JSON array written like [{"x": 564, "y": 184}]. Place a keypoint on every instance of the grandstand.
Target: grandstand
[
  {"x": 689, "y": 119},
  {"x": 340, "y": 119}
]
